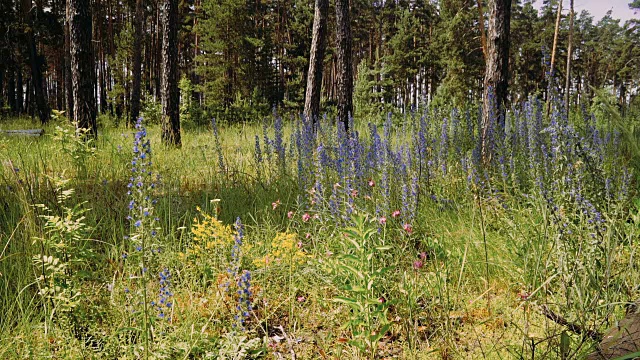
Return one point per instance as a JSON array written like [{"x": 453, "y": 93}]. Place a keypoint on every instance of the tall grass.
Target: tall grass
[{"x": 477, "y": 253}]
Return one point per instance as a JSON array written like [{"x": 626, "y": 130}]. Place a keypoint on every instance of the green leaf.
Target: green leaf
[{"x": 345, "y": 300}]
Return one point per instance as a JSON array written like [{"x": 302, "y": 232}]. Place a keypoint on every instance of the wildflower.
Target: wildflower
[
  {"x": 423, "y": 256},
  {"x": 395, "y": 214},
  {"x": 308, "y": 236},
  {"x": 301, "y": 299},
  {"x": 383, "y": 220},
  {"x": 408, "y": 228},
  {"x": 275, "y": 204},
  {"x": 290, "y": 214},
  {"x": 417, "y": 264},
  {"x": 138, "y": 223},
  {"x": 306, "y": 217},
  {"x": 354, "y": 193},
  {"x": 372, "y": 183},
  {"x": 164, "y": 298}
]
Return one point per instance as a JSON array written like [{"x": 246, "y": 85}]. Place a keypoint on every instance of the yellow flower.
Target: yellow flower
[{"x": 284, "y": 249}]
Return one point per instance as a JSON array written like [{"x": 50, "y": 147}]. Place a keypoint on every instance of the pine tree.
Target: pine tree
[
  {"x": 316, "y": 60},
  {"x": 496, "y": 78},
  {"x": 82, "y": 66},
  {"x": 345, "y": 65},
  {"x": 170, "y": 76},
  {"x": 138, "y": 19}
]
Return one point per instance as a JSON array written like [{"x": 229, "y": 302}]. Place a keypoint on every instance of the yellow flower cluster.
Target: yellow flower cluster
[
  {"x": 208, "y": 233},
  {"x": 284, "y": 250}
]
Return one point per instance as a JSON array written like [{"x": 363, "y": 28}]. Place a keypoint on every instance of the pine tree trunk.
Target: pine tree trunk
[
  {"x": 567, "y": 89},
  {"x": 555, "y": 42},
  {"x": 2, "y": 76},
  {"x": 496, "y": 77},
  {"x": 11, "y": 89},
  {"x": 82, "y": 66},
  {"x": 20, "y": 103},
  {"x": 68, "y": 87},
  {"x": 34, "y": 59},
  {"x": 345, "y": 67},
  {"x": 170, "y": 94},
  {"x": 316, "y": 61},
  {"x": 137, "y": 62},
  {"x": 483, "y": 34}
]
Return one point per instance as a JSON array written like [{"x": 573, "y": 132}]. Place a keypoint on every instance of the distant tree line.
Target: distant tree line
[{"x": 238, "y": 59}]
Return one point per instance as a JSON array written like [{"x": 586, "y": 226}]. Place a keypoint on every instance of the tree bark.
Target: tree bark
[
  {"x": 483, "y": 34},
  {"x": 567, "y": 89},
  {"x": 68, "y": 86},
  {"x": 11, "y": 89},
  {"x": 138, "y": 19},
  {"x": 20, "y": 103},
  {"x": 316, "y": 61},
  {"x": 496, "y": 77},
  {"x": 345, "y": 66},
  {"x": 170, "y": 93},
  {"x": 555, "y": 41},
  {"x": 82, "y": 66},
  {"x": 36, "y": 71}
]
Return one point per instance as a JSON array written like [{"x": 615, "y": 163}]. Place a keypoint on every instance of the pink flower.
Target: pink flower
[
  {"x": 372, "y": 183},
  {"x": 383, "y": 220},
  {"x": 418, "y": 264},
  {"x": 301, "y": 299},
  {"x": 299, "y": 245},
  {"x": 395, "y": 214},
  {"x": 308, "y": 236},
  {"x": 408, "y": 228},
  {"x": 354, "y": 193},
  {"x": 306, "y": 217},
  {"x": 382, "y": 300},
  {"x": 275, "y": 204},
  {"x": 290, "y": 214},
  {"x": 423, "y": 256}
]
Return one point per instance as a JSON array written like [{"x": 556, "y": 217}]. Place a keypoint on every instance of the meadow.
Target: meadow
[{"x": 278, "y": 239}]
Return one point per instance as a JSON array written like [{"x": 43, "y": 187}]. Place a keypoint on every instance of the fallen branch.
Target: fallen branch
[{"x": 558, "y": 319}]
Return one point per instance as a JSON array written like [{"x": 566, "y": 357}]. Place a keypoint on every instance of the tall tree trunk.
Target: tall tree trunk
[
  {"x": 483, "y": 35},
  {"x": 496, "y": 77},
  {"x": 158, "y": 53},
  {"x": 34, "y": 60},
  {"x": 137, "y": 62},
  {"x": 68, "y": 86},
  {"x": 170, "y": 94},
  {"x": 555, "y": 42},
  {"x": 345, "y": 66},
  {"x": 2, "y": 76},
  {"x": 316, "y": 61},
  {"x": 11, "y": 89},
  {"x": 82, "y": 66},
  {"x": 567, "y": 89},
  {"x": 20, "y": 98}
]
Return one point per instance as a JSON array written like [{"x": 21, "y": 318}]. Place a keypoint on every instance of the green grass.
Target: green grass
[{"x": 463, "y": 303}]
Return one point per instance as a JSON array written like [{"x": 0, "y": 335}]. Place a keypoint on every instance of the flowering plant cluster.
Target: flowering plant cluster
[{"x": 285, "y": 250}]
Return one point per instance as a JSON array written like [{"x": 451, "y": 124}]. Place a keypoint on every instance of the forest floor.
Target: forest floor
[{"x": 263, "y": 242}]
